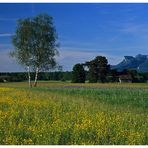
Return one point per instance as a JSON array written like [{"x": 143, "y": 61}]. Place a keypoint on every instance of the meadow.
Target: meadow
[{"x": 62, "y": 113}]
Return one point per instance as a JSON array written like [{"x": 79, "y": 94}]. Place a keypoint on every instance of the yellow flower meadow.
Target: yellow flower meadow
[{"x": 72, "y": 117}]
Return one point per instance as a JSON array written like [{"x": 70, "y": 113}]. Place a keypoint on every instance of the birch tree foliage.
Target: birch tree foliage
[{"x": 35, "y": 43}]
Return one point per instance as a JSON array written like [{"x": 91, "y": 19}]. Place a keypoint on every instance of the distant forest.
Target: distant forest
[
  {"x": 113, "y": 76},
  {"x": 46, "y": 76}
]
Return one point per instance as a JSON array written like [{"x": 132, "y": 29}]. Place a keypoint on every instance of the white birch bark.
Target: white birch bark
[
  {"x": 29, "y": 77},
  {"x": 36, "y": 77}
]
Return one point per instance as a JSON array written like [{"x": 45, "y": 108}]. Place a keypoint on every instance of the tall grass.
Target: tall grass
[{"x": 73, "y": 116}]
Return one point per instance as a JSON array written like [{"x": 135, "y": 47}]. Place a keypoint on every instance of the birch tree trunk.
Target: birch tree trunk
[
  {"x": 29, "y": 77},
  {"x": 36, "y": 77}
]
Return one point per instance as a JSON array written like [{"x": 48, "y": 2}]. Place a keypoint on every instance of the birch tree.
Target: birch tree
[{"x": 35, "y": 43}]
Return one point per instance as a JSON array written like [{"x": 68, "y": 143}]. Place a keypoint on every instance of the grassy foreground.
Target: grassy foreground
[{"x": 64, "y": 113}]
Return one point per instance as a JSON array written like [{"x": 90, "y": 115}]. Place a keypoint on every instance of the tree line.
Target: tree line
[
  {"x": 44, "y": 76},
  {"x": 78, "y": 75},
  {"x": 98, "y": 70}
]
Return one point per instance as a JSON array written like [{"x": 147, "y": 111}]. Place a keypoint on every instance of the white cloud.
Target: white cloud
[
  {"x": 7, "y": 64},
  {"x": 70, "y": 57},
  {"x": 6, "y": 34}
]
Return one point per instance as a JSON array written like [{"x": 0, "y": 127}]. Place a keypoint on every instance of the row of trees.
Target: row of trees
[
  {"x": 84, "y": 75},
  {"x": 98, "y": 70},
  {"x": 45, "y": 76}
]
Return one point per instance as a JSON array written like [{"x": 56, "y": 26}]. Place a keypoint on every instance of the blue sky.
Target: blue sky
[{"x": 84, "y": 30}]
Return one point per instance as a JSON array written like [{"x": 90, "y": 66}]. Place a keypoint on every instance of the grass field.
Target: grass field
[{"x": 74, "y": 114}]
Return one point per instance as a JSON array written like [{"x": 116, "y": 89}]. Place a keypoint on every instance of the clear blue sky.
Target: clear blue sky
[{"x": 84, "y": 30}]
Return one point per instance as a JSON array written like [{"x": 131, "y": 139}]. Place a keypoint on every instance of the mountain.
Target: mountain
[{"x": 139, "y": 63}]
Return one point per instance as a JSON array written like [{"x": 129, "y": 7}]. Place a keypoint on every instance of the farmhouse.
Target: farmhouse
[
  {"x": 125, "y": 78},
  {"x": 4, "y": 78}
]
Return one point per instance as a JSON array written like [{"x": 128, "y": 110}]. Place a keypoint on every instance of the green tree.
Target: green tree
[
  {"x": 98, "y": 69},
  {"x": 133, "y": 73},
  {"x": 78, "y": 74},
  {"x": 113, "y": 74},
  {"x": 35, "y": 42},
  {"x": 93, "y": 72}
]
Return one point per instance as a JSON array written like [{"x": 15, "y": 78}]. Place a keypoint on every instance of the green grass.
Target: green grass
[{"x": 63, "y": 113}]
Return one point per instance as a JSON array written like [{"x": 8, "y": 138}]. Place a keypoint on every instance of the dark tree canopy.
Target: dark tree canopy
[
  {"x": 98, "y": 69},
  {"x": 35, "y": 43},
  {"x": 78, "y": 74},
  {"x": 92, "y": 74}
]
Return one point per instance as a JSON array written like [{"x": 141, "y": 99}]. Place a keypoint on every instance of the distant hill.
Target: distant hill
[{"x": 139, "y": 63}]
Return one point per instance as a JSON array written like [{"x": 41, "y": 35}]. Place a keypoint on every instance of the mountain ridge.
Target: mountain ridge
[{"x": 139, "y": 63}]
